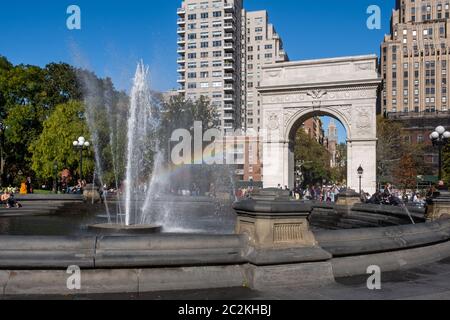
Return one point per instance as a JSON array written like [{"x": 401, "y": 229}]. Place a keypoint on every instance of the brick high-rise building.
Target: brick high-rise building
[
  {"x": 313, "y": 127},
  {"x": 209, "y": 62},
  {"x": 415, "y": 58}
]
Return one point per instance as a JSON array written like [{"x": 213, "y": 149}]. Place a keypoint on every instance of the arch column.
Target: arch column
[
  {"x": 362, "y": 153},
  {"x": 277, "y": 159}
]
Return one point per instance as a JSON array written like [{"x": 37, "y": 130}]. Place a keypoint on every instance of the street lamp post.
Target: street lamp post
[
  {"x": 80, "y": 145},
  {"x": 360, "y": 174},
  {"x": 55, "y": 182},
  {"x": 440, "y": 137},
  {"x": 2, "y": 151}
]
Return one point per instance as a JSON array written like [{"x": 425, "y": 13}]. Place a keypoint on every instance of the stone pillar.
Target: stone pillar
[
  {"x": 439, "y": 207},
  {"x": 348, "y": 198},
  {"x": 281, "y": 246},
  {"x": 276, "y": 164},
  {"x": 364, "y": 153}
]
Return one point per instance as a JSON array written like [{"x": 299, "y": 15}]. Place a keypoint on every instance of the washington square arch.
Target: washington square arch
[{"x": 343, "y": 88}]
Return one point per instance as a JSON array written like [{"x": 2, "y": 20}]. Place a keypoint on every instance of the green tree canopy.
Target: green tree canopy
[
  {"x": 29, "y": 96},
  {"x": 179, "y": 113},
  {"x": 394, "y": 151},
  {"x": 5, "y": 64},
  {"x": 315, "y": 159},
  {"x": 446, "y": 165},
  {"x": 63, "y": 127}
]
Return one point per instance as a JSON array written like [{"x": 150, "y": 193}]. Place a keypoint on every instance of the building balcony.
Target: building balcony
[
  {"x": 228, "y": 87},
  {"x": 181, "y": 49},
  {"x": 181, "y": 69},
  {"x": 228, "y": 107},
  {"x": 229, "y": 36},
  {"x": 229, "y": 76},
  {"x": 228, "y": 17},
  {"x": 181, "y": 21},
  {"x": 228, "y": 7},
  {"x": 228, "y": 97},
  {"x": 181, "y": 60},
  {"x": 181, "y": 41},
  {"x": 181, "y": 80},
  {"x": 228, "y": 66},
  {"x": 228, "y": 46},
  {"x": 181, "y": 30},
  {"x": 229, "y": 26},
  {"x": 228, "y": 116},
  {"x": 229, "y": 56},
  {"x": 181, "y": 11},
  {"x": 276, "y": 36},
  {"x": 181, "y": 90}
]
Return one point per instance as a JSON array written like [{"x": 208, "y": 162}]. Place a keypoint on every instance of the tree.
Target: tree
[
  {"x": 25, "y": 105},
  {"x": 315, "y": 158},
  {"x": 179, "y": 113},
  {"x": 392, "y": 149},
  {"x": 446, "y": 164},
  {"x": 389, "y": 148},
  {"x": 61, "y": 84},
  {"x": 64, "y": 126},
  {"x": 5, "y": 64},
  {"x": 406, "y": 173},
  {"x": 28, "y": 97}
]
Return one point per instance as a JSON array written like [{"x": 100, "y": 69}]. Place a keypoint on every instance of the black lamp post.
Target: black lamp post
[
  {"x": 55, "y": 182},
  {"x": 81, "y": 144},
  {"x": 2, "y": 150},
  {"x": 440, "y": 137},
  {"x": 360, "y": 174}
]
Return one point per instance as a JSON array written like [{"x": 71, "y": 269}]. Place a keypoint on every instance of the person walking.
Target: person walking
[{"x": 29, "y": 185}]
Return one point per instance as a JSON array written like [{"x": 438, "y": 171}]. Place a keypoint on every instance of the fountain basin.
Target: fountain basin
[{"x": 120, "y": 229}]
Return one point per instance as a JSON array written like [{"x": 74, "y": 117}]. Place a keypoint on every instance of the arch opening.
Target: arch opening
[{"x": 318, "y": 146}]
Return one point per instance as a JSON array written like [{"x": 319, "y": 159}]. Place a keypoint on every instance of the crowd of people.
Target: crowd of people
[
  {"x": 316, "y": 193},
  {"x": 387, "y": 195},
  {"x": 313, "y": 193},
  {"x": 391, "y": 196}
]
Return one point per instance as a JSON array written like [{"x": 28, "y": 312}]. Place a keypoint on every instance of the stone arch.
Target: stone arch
[{"x": 343, "y": 88}]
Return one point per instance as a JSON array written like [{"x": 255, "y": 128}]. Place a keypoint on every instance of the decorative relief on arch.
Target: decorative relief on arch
[
  {"x": 364, "y": 120},
  {"x": 273, "y": 122}
]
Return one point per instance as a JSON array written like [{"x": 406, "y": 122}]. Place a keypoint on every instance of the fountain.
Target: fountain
[{"x": 141, "y": 127}]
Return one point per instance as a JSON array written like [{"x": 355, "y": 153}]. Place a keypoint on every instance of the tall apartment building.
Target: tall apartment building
[
  {"x": 209, "y": 62},
  {"x": 261, "y": 45},
  {"x": 415, "y": 58},
  {"x": 415, "y": 62}
]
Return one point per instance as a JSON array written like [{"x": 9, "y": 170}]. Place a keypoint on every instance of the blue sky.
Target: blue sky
[{"x": 115, "y": 35}]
